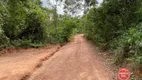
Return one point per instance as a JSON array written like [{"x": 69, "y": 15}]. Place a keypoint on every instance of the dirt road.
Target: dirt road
[
  {"x": 18, "y": 64},
  {"x": 74, "y": 61}
]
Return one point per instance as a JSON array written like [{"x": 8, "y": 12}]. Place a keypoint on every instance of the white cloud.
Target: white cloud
[
  {"x": 99, "y": 2},
  {"x": 44, "y": 3},
  {"x": 60, "y": 8}
]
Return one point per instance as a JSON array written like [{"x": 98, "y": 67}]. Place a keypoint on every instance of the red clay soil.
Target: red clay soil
[
  {"x": 18, "y": 64},
  {"x": 75, "y": 61}
]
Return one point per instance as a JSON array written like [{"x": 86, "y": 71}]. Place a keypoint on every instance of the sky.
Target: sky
[{"x": 60, "y": 8}]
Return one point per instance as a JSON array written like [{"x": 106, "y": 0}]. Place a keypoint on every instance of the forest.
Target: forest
[
  {"x": 27, "y": 24},
  {"x": 114, "y": 25}
]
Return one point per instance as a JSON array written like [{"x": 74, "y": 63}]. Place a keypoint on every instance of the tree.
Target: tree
[
  {"x": 16, "y": 20},
  {"x": 3, "y": 13},
  {"x": 112, "y": 18},
  {"x": 88, "y": 4},
  {"x": 54, "y": 5},
  {"x": 75, "y": 7}
]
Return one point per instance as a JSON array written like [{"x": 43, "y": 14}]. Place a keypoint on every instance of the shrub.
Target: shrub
[
  {"x": 129, "y": 45},
  {"x": 61, "y": 33},
  {"x": 4, "y": 40}
]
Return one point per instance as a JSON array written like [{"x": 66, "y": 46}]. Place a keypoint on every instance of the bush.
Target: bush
[
  {"x": 15, "y": 22},
  {"x": 55, "y": 35},
  {"x": 61, "y": 33},
  {"x": 4, "y": 40},
  {"x": 27, "y": 24},
  {"x": 129, "y": 45}
]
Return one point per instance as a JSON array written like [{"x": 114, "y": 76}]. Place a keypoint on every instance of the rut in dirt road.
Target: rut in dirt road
[{"x": 74, "y": 61}]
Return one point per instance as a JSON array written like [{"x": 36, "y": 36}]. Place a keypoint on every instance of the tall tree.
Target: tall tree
[
  {"x": 16, "y": 19},
  {"x": 88, "y": 4},
  {"x": 111, "y": 19},
  {"x": 75, "y": 7},
  {"x": 54, "y": 4}
]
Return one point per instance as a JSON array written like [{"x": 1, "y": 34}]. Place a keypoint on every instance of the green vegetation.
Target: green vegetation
[
  {"x": 116, "y": 25},
  {"x": 28, "y": 24}
]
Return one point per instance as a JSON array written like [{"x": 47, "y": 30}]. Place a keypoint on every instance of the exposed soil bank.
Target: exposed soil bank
[{"x": 19, "y": 64}]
